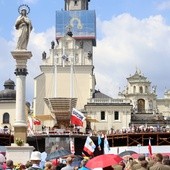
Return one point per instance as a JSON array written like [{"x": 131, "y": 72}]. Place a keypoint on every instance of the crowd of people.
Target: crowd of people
[
  {"x": 155, "y": 162},
  {"x": 35, "y": 163},
  {"x": 139, "y": 129}
]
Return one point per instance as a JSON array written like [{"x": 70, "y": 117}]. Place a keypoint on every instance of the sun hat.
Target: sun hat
[{"x": 36, "y": 155}]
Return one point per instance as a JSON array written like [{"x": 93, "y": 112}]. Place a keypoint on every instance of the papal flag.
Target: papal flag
[{"x": 89, "y": 146}]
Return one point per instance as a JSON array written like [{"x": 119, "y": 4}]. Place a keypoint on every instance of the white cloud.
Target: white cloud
[
  {"x": 128, "y": 43},
  {"x": 163, "y": 5},
  {"x": 125, "y": 43},
  {"x": 38, "y": 43}
]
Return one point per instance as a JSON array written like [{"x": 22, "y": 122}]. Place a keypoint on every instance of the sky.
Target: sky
[{"x": 131, "y": 34}]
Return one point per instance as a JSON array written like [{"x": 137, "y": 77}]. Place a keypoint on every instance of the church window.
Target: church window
[
  {"x": 134, "y": 89},
  {"x": 75, "y": 3},
  {"x": 76, "y": 58},
  {"x": 116, "y": 115},
  {"x": 150, "y": 105},
  {"x": 146, "y": 89},
  {"x": 103, "y": 115},
  {"x": 6, "y": 117},
  {"x": 141, "y": 89},
  {"x": 66, "y": 44}
]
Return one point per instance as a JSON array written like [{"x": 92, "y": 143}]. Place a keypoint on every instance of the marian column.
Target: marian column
[
  {"x": 21, "y": 152},
  {"x": 21, "y": 55}
]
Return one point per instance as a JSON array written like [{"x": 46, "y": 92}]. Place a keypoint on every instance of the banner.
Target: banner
[
  {"x": 150, "y": 147},
  {"x": 72, "y": 148},
  {"x": 89, "y": 146},
  {"x": 77, "y": 117},
  {"x": 99, "y": 142},
  {"x": 106, "y": 145}
]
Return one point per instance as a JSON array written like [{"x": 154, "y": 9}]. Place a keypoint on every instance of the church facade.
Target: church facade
[
  {"x": 67, "y": 77},
  {"x": 68, "y": 72},
  {"x": 136, "y": 106},
  {"x": 67, "y": 80}
]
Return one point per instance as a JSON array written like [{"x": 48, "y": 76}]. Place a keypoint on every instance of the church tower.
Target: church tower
[
  {"x": 76, "y": 5},
  {"x": 68, "y": 71},
  {"x": 142, "y": 96}
]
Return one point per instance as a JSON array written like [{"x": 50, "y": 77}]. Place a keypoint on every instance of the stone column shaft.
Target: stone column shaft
[
  {"x": 20, "y": 125},
  {"x": 20, "y": 100}
]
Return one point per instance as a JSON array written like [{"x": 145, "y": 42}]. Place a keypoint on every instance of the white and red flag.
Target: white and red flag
[
  {"x": 89, "y": 146},
  {"x": 150, "y": 147},
  {"x": 36, "y": 121},
  {"x": 77, "y": 117}
]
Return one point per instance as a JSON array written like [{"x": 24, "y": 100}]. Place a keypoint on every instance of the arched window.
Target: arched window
[
  {"x": 141, "y": 89},
  {"x": 134, "y": 89},
  {"x": 6, "y": 117},
  {"x": 75, "y": 3}
]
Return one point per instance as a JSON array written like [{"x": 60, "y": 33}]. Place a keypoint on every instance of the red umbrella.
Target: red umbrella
[
  {"x": 103, "y": 161},
  {"x": 135, "y": 155}
]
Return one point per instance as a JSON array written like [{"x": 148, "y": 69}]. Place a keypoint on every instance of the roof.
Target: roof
[
  {"x": 138, "y": 77},
  {"x": 98, "y": 94},
  {"x": 44, "y": 117}
]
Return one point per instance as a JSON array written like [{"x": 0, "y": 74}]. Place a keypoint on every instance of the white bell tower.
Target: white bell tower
[{"x": 76, "y": 5}]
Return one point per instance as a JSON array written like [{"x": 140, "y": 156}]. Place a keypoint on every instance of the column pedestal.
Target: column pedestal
[
  {"x": 19, "y": 154},
  {"x": 20, "y": 132}
]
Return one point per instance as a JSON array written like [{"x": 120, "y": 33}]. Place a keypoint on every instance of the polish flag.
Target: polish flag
[
  {"x": 77, "y": 117},
  {"x": 89, "y": 146},
  {"x": 36, "y": 121},
  {"x": 150, "y": 147}
]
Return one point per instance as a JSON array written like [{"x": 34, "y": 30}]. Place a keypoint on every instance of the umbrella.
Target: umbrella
[
  {"x": 103, "y": 161},
  {"x": 58, "y": 154},
  {"x": 76, "y": 161},
  {"x": 135, "y": 155},
  {"x": 124, "y": 153}
]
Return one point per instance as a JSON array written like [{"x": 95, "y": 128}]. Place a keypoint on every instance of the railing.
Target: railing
[
  {"x": 108, "y": 100},
  {"x": 57, "y": 132}
]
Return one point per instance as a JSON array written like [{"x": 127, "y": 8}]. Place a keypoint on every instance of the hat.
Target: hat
[{"x": 35, "y": 156}]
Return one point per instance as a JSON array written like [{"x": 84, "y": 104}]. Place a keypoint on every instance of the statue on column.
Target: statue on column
[{"x": 24, "y": 26}]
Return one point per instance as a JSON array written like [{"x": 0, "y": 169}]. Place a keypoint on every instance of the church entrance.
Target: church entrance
[{"x": 141, "y": 106}]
